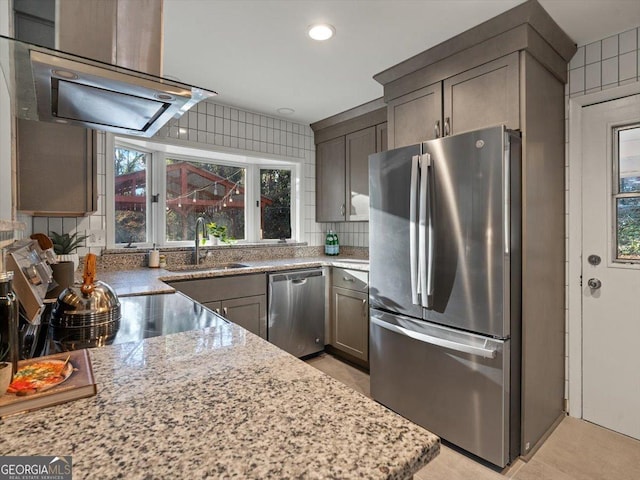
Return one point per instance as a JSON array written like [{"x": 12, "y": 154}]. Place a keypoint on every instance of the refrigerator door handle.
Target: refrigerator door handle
[
  {"x": 441, "y": 342},
  {"x": 413, "y": 221},
  {"x": 426, "y": 234}
]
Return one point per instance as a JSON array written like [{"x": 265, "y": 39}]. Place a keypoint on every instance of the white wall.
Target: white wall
[{"x": 605, "y": 64}]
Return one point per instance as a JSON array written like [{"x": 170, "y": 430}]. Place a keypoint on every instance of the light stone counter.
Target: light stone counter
[
  {"x": 144, "y": 281},
  {"x": 219, "y": 403}
]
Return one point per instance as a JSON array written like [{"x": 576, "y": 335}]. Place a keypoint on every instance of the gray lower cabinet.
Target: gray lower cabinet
[
  {"x": 241, "y": 299},
  {"x": 247, "y": 312},
  {"x": 350, "y": 313}
]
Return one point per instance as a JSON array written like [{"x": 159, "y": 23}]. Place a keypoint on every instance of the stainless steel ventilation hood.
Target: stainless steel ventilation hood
[{"x": 53, "y": 86}]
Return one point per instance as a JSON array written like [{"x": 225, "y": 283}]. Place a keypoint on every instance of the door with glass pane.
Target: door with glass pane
[{"x": 611, "y": 264}]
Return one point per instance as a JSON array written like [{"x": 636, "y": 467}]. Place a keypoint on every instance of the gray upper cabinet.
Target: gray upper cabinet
[
  {"x": 330, "y": 180},
  {"x": 476, "y": 98},
  {"x": 56, "y": 169},
  {"x": 343, "y": 145},
  {"x": 359, "y": 145},
  {"x": 415, "y": 117},
  {"x": 483, "y": 96}
]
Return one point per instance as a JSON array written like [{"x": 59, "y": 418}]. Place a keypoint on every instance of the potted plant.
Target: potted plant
[
  {"x": 65, "y": 246},
  {"x": 217, "y": 233}
]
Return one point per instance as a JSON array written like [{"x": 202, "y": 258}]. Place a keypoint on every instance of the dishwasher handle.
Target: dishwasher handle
[{"x": 296, "y": 276}]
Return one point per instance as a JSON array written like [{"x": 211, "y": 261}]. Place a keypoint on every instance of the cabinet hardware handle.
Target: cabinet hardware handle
[
  {"x": 225, "y": 311},
  {"x": 364, "y": 309},
  {"x": 343, "y": 210},
  {"x": 436, "y": 129},
  {"x": 217, "y": 310},
  {"x": 347, "y": 279},
  {"x": 447, "y": 127}
]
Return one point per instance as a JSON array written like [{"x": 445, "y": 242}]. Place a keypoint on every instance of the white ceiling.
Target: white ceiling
[{"x": 256, "y": 55}]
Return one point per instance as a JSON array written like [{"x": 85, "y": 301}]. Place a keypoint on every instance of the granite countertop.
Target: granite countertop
[
  {"x": 217, "y": 403},
  {"x": 144, "y": 281}
]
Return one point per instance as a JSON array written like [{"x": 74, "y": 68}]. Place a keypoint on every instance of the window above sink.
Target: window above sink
[{"x": 155, "y": 193}]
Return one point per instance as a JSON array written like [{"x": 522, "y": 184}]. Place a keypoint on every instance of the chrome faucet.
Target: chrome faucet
[{"x": 199, "y": 224}]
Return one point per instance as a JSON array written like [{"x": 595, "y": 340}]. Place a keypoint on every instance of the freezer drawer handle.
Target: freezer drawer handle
[{"x": 441, "y": 342}]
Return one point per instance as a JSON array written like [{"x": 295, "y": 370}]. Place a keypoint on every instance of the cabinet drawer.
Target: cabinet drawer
[{"x": 351, "y": 279}]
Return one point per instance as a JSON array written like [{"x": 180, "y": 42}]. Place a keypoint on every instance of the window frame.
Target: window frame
[
  {"x": 616, "y": 195},
  {"x": 156, "y": 176}
]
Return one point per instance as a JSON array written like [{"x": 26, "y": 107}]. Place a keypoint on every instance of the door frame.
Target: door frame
[{"x": 574, "y": 230}]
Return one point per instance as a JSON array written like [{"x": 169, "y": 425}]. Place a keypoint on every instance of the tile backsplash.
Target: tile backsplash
[{"x": 607, "y": 63}]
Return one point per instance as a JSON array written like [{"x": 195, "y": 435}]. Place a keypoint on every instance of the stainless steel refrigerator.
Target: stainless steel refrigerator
[{"x": 445, "y": 288}]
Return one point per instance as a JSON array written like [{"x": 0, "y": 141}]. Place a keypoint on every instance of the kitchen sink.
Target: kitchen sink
[{"x": 190, "y": 268}]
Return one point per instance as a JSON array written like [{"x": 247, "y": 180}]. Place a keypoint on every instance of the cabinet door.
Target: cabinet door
[
  {"x": 248, "y": 312},
  {"x": 359, "y": 145},
  {"x": 56, "y": 169},
  {"x": 381, "y": 138},
  {"x": 350, "y": 322},
  {"x": 330, "y": 181},
  {"x": 215, "y": 306},
  {"x": 415, "y": 117},
  {"x": 484, "y": 96}
]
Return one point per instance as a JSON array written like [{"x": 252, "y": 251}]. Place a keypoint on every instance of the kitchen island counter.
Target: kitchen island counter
[{"x": 216, "y": 403}]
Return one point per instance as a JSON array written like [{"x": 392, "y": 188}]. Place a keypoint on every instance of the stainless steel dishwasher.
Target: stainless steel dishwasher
[{"x": 296, "y": 311}]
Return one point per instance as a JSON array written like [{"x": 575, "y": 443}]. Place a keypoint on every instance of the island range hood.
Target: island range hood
[{"x": 53, "y": 86}]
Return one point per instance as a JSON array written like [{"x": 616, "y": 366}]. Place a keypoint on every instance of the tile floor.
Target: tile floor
[{"x": 576, "y": 450}]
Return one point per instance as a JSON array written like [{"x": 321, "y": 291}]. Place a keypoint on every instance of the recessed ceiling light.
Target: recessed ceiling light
[
  {"x": 285, "y": 111},
  {"x": 321, "y": 31}
]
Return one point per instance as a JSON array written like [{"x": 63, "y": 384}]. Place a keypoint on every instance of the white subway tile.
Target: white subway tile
[
  {"x": 242, "y": 116},
  {"x": 270, "y": 122},
  {"x": 592, "y": 76},
  {"x": 193, "y": 135},
  {"x": 628, "y": 67},
  {"x": 211, "y": 138},
  {"x": 234, "y": 114},
  {"x": 576, "y": 80},
  {"x": 276, "y": 149},
  {"x": 610, "y": 47},
  {"x": 202, "y": 122},
  {"x": 269, "y": 147},
  {"x": 234, "y": 142},
  {"x": 256, "y": 132},
  {"x": 219, "y": 111},
  {"x": 629, "y": 40},
  {"x": 610, "y": 71},
  {"x": 218, "y": 125},
  {"x": 226, "y": 140},
  {"x": 226, "y": 112},
  {"x": 218, "y": 139},
  {"x": 234, "y": 128},
  {"x": 276, "y": 137},
  {"x": 263, "y": 121},
  {"x": 262, "y": 146},
  {"x": 241, "y": 130},
  {"x": 263, "y": 134},
  {"x": 211, "y": 109},
  {"x": 242, "y": 143},
  {"x": 202, "y": 137},
  {"x": 96, "y": 222},
  {"x": 270, "y": 135},
  {"x": 226, "y": 127}
]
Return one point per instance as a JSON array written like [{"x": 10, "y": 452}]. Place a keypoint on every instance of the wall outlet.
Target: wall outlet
[{"x": 96, "y": 238}]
